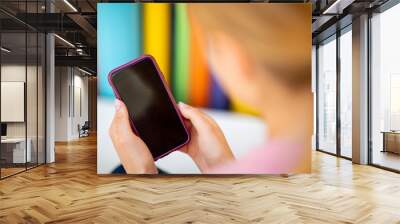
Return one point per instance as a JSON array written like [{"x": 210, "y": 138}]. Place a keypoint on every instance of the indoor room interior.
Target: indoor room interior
[
  {"x": 23, "y": 89},
  {"x": 48, "y": 150},
  {"x": 22, "y": 100}
]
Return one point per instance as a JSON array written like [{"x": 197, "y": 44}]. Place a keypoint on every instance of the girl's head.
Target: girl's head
[{"x": 260, "y": 53}]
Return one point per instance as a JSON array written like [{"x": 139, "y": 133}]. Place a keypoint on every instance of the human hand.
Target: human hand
[
  {"x": 132, "y": 151},
  {"x": 208, "y": 147}
]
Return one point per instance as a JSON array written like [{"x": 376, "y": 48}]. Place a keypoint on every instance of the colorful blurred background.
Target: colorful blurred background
[
  {"x": 164, "y": 31},
  {"x": 127, "y": 30}
]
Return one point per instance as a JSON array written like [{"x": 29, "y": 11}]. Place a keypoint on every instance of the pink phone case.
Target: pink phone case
[{"x": 110, "y": 75}]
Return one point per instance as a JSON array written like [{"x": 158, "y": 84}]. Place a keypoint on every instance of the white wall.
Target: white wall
[
  {"x": 80, "y": 100},
  {"x": 33, "y": 126},
  {"x": 16, "y": 73},
  {"x": 62, "y": 81},
  {"x": 71, "y": 94},
  {"x": 12, "y": 73}
]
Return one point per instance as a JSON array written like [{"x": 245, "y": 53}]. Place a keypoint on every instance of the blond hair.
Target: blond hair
[{"x": 278, "y": 36}]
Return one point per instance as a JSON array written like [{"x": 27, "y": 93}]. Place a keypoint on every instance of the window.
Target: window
[
  {"x": 394, "y": 102},
  {"x": 327, "y": 96},
  {"x": 22, "y": 89},
  {"x": 334, "y": 66},
  {"x": 346, "y": 92},
  {"x": 385, "y": 89}
]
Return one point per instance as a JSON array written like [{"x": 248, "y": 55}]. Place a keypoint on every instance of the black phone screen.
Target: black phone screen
[{"x": 151, "y": 110}]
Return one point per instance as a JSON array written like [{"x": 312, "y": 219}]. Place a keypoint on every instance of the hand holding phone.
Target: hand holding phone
[
  {"x": 208, "y": 147},
  {"x": 152, "y": 110},
  {"x": 133, "y": 153},
  {"x": 148, "y": 124}
]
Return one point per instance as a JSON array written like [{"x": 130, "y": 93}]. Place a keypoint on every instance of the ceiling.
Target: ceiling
[
  {"x": 75, "y": 21},
  {"x": 72, "y": 20}
]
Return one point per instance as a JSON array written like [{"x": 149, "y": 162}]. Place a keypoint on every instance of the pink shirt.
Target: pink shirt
[{"x": 275, "y": 157}]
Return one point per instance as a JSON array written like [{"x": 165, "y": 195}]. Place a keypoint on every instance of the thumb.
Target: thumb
[
  {"x": 121, "y": 120},
  {"x": 121, "y": 112},
  {"x": 196, "y": 117}
]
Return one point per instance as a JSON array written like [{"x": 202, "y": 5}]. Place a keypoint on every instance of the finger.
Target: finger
[
  {"x": 195, "y": 116},
  {"x": 120, "y": 125},
  {"x": 121, "y": 114}
]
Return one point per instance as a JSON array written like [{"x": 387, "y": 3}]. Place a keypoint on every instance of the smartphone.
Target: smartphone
[{"x": 153, "y": 113}]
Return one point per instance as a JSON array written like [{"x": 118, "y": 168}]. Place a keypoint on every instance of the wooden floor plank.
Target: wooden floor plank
[{"x": 70, "y": 191}]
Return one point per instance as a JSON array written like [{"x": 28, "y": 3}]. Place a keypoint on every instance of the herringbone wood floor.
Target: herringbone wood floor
[{"x": 70, "y": 191}]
